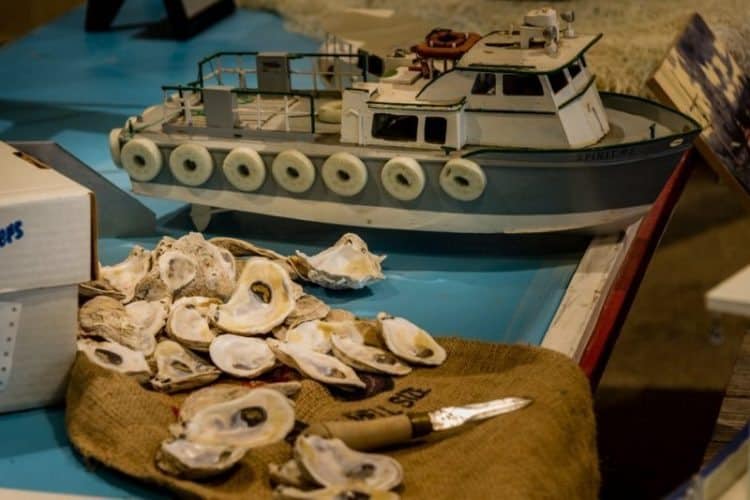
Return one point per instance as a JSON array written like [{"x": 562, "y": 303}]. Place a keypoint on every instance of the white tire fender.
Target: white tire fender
[
  {"x": 463, "y": 179},
  {"x": 191, "y": 164},
  {"x": 293, "y": 171},
  {"x": 403, "y": 178},
  {"x": 344, "y": 174},
  {"x": 114, "y": 146},
  {"x": 141, "y": 159},
  {"x": 244, "y": 169}
]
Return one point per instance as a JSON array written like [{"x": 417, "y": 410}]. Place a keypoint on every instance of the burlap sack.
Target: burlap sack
[{"x": 546, "y": 450}]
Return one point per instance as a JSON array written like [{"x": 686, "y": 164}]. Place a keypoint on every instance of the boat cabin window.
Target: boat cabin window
[
  {"x": 528, "y": 85},
  {"x": 394, "y": 127},
  {"x": 484, "y": 84},
  {"x": 574, "y": 68},
  {"x": 558, "y": 80},
  {"x": 434, "y": 129}
]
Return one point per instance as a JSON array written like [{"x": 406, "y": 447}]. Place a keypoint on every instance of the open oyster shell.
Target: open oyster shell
[
  {"x": 358, "y": 492},
  {"x": 307, "y": 308},
  {"x": 188, "y": 322},
  {"x": 263, "y": 299},
  {"x": 317, "y": 366},
  {"x": 93, "y": 288},
  {"x": 260, "y": 417},
  {"x": 347, "y": 264},
  {"x": 179, "y": 369},
  {"x": 366, "y": 358},
  {"x": 241, "y": 356},
  {"x": 215, "y": 273},
  {"x": 316, "y": 334},
  {"x": 177, "y": 269},
  {"x": 329, "y": 462},
  {"x": 242, "y": 248},
  {"x": 116, "y": 357},
  {"x": 190, "y": 460},
  {"x": 106, "y": 317},
  {"x": 407, "y": 341},
  {"x": 148, "y": 317},
  {"x": 125, "y": 276}
]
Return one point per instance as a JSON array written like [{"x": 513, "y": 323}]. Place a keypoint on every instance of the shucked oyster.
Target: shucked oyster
[
  {"x": 125, "y": 276},
  {"x": 241, "y": 356},
  {"x": 352, "y": 492},
  {"x": 366, "y": 358},
  {"x": 329, "y": 462},
  {"x": 106, "y": 317},
  {"x": 407, "y": 341},
  {"x": 179, "y": 369},
  {"x": 258, "y": 418},
  {"x": 190, "y": 460},
  {"x": 315, "y": 365},
  {"x": 348, "y": 264},
  {"x": 117, "y": 358},
  {"x": 263, "y": 299},
  {"x": 188, "y": 322}
]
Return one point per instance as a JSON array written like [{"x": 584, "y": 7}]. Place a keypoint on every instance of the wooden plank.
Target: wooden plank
[{"x": 571, "y": 328}]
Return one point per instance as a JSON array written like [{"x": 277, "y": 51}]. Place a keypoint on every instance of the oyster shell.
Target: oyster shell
[
  {"x": 215, "y": 272},
  {"x": 242, "y": 248},
  {"x": 188, "y": 322},
  {"x": 329, "y": 462},
  {"x": 190, "y": 460},
  {"x": 179, "y": 369},
  {"x": 366, "y": 358},
  {"x": 241, "y": 356},
  {"x": 221, "y": 393},
  {"x": 358, "y": 492},
  {"x": 260, "y": 417},
  {"x": 148, "y": 317},
  {"x": 289, "y": 474},
  {"x": 93, "y": 288},
  {"x": 315, "y": 365},
  {"x": 346, "y": 265},
  {"x": 316, "y": 334},
  {"x": 340, "y": 315},
  {"x": 125, "y": 276},
  {"x": 116, "y": 357},
  {"x": 263, "y": 299},
  {"x": 106, "y": 317},
  {"x": 407, "y": 341},
  {"x": 307, "y": 308},
  {"x": 176, "y": 269}
]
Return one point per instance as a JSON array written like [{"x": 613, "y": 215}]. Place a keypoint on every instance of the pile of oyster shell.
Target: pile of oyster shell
[{"x": 181, "y": 315}]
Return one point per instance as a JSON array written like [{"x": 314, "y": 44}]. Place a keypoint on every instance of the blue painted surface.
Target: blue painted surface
[{"x": 62, "y": 84}]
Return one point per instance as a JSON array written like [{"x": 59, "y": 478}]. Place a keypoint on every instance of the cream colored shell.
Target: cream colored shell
[
  {"x": 263, "y": 299},
  {"x": 366, "y": 358},
  {"x": 179, "y": 369},
  {"x": 347, "y": 264},
  {"x": 125, "y": 276},
  {"x": 191, "y": 460},
  {"x": 259, "y": 418},
  {"x": 407, "y": 341},
  {"x": 317, "y": 366},
  {"x": 116, "y": 357},
  {"x": 188, "y": 322},
  {"x": 106, "y": 317},
  {"x": 241, "y": 356}
]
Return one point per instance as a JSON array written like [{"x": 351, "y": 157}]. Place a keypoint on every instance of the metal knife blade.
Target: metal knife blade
[{"x": 453, "y": 416}]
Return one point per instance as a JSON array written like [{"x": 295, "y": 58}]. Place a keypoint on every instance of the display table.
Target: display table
[{"x": 62, "y": 84}]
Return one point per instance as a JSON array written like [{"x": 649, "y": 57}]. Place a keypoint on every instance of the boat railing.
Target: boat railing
[{"x": 337, "y": 69}]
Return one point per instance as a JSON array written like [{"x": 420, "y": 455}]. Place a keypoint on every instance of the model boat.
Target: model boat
[{"x": 501, "y": 133}]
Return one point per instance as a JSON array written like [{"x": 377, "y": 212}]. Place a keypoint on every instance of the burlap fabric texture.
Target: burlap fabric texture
[{"x": 546, "y": 450}]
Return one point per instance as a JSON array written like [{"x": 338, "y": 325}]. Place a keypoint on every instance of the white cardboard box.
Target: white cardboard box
[{"x": 47, "y": 247}]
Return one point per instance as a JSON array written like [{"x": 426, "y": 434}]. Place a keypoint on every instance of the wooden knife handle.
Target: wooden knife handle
[{"x": 366, "y": 435}]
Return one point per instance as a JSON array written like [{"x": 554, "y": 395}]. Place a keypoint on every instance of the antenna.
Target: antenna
[{"x": 569, "y": 16}]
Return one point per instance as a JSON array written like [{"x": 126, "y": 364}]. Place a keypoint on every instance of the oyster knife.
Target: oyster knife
[{"x": 388, "y": 431}]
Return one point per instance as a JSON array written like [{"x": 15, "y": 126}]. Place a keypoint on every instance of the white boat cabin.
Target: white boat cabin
[{"x": 527, "y": 87}]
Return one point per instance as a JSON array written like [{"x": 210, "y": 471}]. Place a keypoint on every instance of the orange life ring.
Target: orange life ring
[{"x": 443, "y": 43}]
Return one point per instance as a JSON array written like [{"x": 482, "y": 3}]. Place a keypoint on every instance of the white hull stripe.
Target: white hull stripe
[{"x": 392, "y": 218}]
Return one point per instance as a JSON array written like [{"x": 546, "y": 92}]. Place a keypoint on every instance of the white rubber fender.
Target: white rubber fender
[
  {"x": 344, "y": 174},
  {"x": 403, "y": 178},
  {"x": 463, "y": 179},
  {"x": 293, "y": 171},
  {"x": 330, "y": 112},
  {"x": 114, "y": 146},
  {"x": 244, "y": 169},
  {"x": 191, "y": 164},
  {"x": 141, "y": 159}
]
